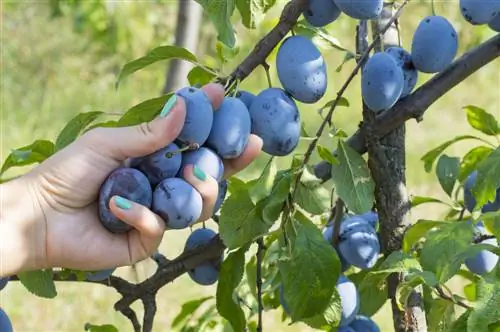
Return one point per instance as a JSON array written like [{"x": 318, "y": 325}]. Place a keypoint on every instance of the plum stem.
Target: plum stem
[
  {"x": 268, "y": 74},
  {"x": 189, "y": 147}
]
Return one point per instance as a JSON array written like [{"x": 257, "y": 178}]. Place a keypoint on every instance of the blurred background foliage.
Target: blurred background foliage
[{"x": 60, "y": 58}]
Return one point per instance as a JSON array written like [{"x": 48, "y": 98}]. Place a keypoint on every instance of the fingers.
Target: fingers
[
  {"x": 251, "y": 152},
  {"x": 207, "y": 187},
  {"x": 215, "y": 93}
]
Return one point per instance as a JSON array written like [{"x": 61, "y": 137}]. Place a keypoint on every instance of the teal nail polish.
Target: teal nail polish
[
  {"x": 199, "y": 173},
  {"x": 168, "y": 106},
  {"x": 123, "y": 203}
]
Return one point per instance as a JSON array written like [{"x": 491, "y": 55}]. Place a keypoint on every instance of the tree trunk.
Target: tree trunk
[
  {"x": 387, "y": 164},
  {"x": 186, "y": 35}
]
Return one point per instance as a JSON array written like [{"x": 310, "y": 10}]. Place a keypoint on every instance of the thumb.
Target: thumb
[{"x": 140, "y": 140}]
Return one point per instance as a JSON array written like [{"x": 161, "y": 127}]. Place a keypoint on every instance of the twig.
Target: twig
[
  {"x": 445, "y": 296},
  {"x": 339, "y": 213},
  {"x": 149, "y": 303},
  {"x": 132, "y": 316},
  {"x": 260, "y": 243}
]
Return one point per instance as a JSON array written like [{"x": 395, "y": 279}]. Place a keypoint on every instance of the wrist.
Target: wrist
[{"x": 22, "y": 228}]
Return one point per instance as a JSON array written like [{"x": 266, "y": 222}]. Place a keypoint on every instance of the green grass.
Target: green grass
[{"x": 49, "y": 74}]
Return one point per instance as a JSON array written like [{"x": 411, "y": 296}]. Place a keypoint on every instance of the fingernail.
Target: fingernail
[
  {"x": 123, "y": 203},
  {"x": 199, "y": 173},
  {"x": 168, "y": 106}
]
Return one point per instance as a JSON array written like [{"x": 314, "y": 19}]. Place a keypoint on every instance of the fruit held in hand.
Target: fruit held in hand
[
  {"x": 349, "y": 298},
  {"x": 221, "y": 195},
  {"x": 230, "y": 129},
  {"x": 206, "y": 273},
  {"x": 276, "y": 119},
  {"x": 164, "y": 163},
  {"x": 199, "y": 116},
  {"x": 246, "y": 97},
  {"x": 434, "y": 44},
  {"x": 364, "y": 324},
  {"x": 361, "y": 9},
  {"x": 177, "y": 203},
  {"x": 359, "y": 243},
  {"x": 301, "y": 69},
  {"x": 479, "y": 12},
  {"x": 5, "y": 324},
  {"x": 128, "y": 183},
  {"x": 321, "y": 12},
  {"x": 100, "y": 275},
  {"x": 470, "y": 200},
  {"x": 382, "y": 82},
  {"x": 410, "y": 73},
  {"x": 207, "y": 160}
]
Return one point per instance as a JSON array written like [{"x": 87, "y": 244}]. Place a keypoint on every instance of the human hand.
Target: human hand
[{"x": 66, "y": 231}]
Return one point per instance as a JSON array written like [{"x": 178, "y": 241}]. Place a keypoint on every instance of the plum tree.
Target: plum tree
[
  {"x": 276, "y": 119},
  {"x": 206, "y": 159},
  {"x": 361, "y": 9},
  {"x": 470, "y": 200},
  {"x": 434, "y": 44},
  {"x": 349, "y": 298},
  {"x": 301, "y": 69},
  {"x": 321, "y": 12},
  {"x": 479, "y": 12},
  {"x": 246, "y": 97},
  {"x": 128, "y": 183},
  {"x": 162, "y": 164},
  {"x": 100, "y": 275},
  {"x": 494, "y": 24},
  {"x": 221, "y": 195},
  {"x": 177, "y": 203},
  {"x": 364, "y": 324},
  {"x": 327, "y": 235},
  {"x": 359, "y": 243},
  {"x": 230, "y": 129},
  {"x": 199, "y": 116},
  {"x": 382, "y": 82},
  {"x": 5, "y": 323},
  {"x": 410, "y": 73},
  {"x": 206, "y": 273},
  {"x": 3, "y": 282}
]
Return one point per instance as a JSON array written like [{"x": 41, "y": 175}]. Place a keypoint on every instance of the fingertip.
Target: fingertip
[
  {"x": 215, "y": 93},
  {"x": 138, "y": 216}
]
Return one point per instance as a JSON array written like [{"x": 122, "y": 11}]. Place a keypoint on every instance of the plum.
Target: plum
[
  {"x": 494, "y": 24},
  {"x": 364, "y": 324},
  {"x": 327, "y": 235},
  {"x": 276, "y": 119},
  {"x": 3, "y": 282},
  {"x": 359, "y": 243},
  {"x": 129, "y": 183},
  {"x": 230, "y": 129},
  {"x": 321, "y": 12},
  {"x": 345, "y": 329},
  {"x": 199, "y": 116},
  {"x": 349, "y": 298},
  {"x": 5, "y": 324},
  {"x": 470, "y": 200},
  {"x": 382, "y": 82},
  {"x": 478, "y": 12},
  {"x": 434, "y": 44},
  {"x": 221, "y": 195},
  {"x": 485, "y": 261},
  {"x": 246, "y": 97},
  {"x": 410, "y": 73},
  {"x": 177, "y": 203},
  {"x": 301, "y": 69},
  {"x": 158, "y": 165},
  {"x": 206, "y": 159},
  {"x": 371, "y": 217},
  {"x": 206, "y": 273},
  {"x": 100, "y": 275},
  {"x": 360, "y": 9}
]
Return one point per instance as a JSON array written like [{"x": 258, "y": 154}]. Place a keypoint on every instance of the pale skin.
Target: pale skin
[{"x": 48, "y": 217}]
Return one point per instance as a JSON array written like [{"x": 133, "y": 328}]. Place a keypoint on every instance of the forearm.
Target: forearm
[{"x": 22, "y": 229}]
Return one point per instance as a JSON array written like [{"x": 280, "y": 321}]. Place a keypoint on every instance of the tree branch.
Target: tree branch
[
  {"x": 444, "y": 296},
  {"x": 149, "y": 303}
]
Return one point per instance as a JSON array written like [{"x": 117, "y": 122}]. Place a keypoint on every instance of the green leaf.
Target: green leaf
[
  {"x": 220, "y": 12},
  {"x": 240, "y": 221},
  {"x": 470, "y": 292},
  {"x": 430, "y": 157},
  {"x": 412, "y": 281},
  {"x": 274, "y": 204},
  {"x": 441, "y": 315},
  {"x": 348, "y": 57},
  {"x": 418, "y": 231},
  {"x": 492, "y": 222},
  {"x": 481, "y": 120},
  {"x": 235, "y": 185},
  {"x": 471, "y": 159},
  {"x": 39, "y": 283},
  {"x": 488, "y": 180},
  {"x": 310, "y": 275},
  {"x": 157, "y": 54},
  {"x": 144, "y": 112},
  {"x": 443, "y": 249},
  {"x": 319, "y": 35},
  {"x": 200, "y": 76},
  {"x": 74, "y": 127},
  {"x": 251, "y": 11},
  {"x": 187, "y": 309},
  {"x": 225, "y": 53},
  {"x": 342, "y": 102},
  {"x": 419, "y": 200},
  {"x": 264, "y": 185},
  {"x": 311, "y": 195},
  {"x": 251, "y": 274},
  {"x": 352, "y": 180},
  {"x": 330, "y": 317},
  {"x": 106, "y": 124},
  {"x": 460, "y": 325},
  {"x": 447, "y": 170},
  {"x": 486, "y": 308},
  {"x": 231, "y": 273},
  {"x": 100, "y": 328},
  {"x": 326, "y": 155},
  {"x": 36, "y": 152}
]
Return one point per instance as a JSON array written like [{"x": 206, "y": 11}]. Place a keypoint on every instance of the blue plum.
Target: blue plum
[
  {"x": 276, "y": 119},
  {"x": 207, "y": 160},
  {"x": 479, "y": 12},
  {"x": 158, "y": 166},
  {"x": 382, "y": 82},
  {"x": 371, "y": 217},
  {"x": 206, "y": 273},
  {"x": 327, "y": 235},
  {"x": 494, "y": 24},
  {"x": 177, "y": 203},
  {"x": 230, "y": 129},
  {"x": 360, "y": 9},
  {"x": 221, "y": 195},
  {"x": 128, "y": 183},
  {"x": 301, "y": 69},
  {"x": 410, "y": 73},
  {"x": 246, "y": 97},
  {"x": 199, "y": 116},
  {"x": 359, "y": 243},
  {"x": 364, "y": 324},
  {"x": 321, "y": 12},
  {"x": 345, "y": 329},
  {"x": 434, "y": 44},
  {"x": 470, "y": 200},
  {"x": 100, "y": 275},
  {"x": 5, "y": 323},
  {"x": 485, "y": 261},
  {"x": 349, "y": 298},
  {"x": 3, "y": 282}
]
